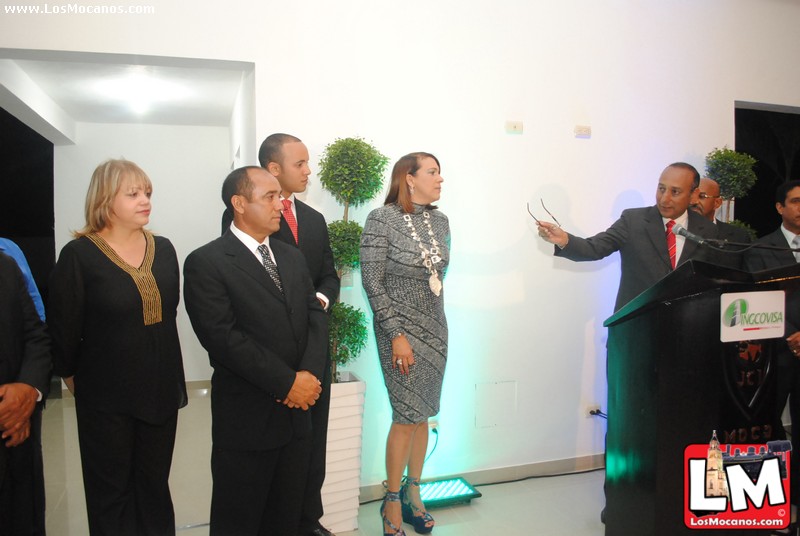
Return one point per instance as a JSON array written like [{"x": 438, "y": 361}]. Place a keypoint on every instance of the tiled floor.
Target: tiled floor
[{"x": 567, "y": 505}]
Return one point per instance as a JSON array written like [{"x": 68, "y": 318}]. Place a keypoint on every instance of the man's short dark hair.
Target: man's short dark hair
[
  {"x": 237, "y": 183},
  {"x": 783, "y": 190},
  {"x": 689, "y": 167},
  {"x": 271, "y": 148}
]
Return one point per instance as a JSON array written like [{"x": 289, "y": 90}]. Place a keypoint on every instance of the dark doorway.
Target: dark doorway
[
  {"x": 771, "y": 135},
  {"x": 26, "y": 203}
]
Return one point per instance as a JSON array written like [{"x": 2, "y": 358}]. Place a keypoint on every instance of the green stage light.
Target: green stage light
[{"x": 438, "y": 493}]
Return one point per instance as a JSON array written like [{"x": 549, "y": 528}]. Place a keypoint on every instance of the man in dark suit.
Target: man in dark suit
[
  {"x": 641, "y": 236},
  {"x": 787, "y": 203},
  {"x": 25, "y": 365},
  {"x": 286, "y": 158},
  {"x": 707, "y": 203},
  {"x": 253, "y": 307}
]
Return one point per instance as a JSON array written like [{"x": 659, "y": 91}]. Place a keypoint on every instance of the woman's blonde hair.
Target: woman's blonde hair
[{"x": 106, "y": 182}]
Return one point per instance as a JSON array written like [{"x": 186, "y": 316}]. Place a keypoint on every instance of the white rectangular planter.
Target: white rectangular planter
[{"x": 343, "y": 466}]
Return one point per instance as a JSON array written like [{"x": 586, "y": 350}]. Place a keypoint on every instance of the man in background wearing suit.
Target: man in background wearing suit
[
  {"x": 648, "y": 249},
  {"x": 253, "y": 307},
  {"x": 708, "y": 201},
  {"x": 787, "y": 203},
  {"x": 286, "y": 158},
  {"x": 25, "y": 364}
]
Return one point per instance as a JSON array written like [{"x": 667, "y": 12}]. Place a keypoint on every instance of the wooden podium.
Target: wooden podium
[{"x": 671, "y": 383}]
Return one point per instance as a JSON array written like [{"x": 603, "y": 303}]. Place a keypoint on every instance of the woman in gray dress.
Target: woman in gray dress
[{"x": 404, "y": 255}]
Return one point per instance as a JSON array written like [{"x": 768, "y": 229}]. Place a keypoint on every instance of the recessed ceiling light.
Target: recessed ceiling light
[{"x": 139, "y": 90}]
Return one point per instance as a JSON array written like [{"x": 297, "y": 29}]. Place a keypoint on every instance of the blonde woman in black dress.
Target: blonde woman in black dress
[
  {"x": 113, "y": 299},
  {"x": 404, "y": 255}
]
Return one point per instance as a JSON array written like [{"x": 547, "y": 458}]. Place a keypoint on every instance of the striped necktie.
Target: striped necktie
[
  {"x": 796, "y": 244},
  {"x": 270, "y": 266},
  {"x": 671, "y": 245}
]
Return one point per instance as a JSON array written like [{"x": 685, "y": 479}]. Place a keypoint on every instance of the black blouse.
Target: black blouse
[{"x": 114, "y": 328}]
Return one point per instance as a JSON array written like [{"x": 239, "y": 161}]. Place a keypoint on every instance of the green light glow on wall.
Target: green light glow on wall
[{"x": 622, "y": 466}]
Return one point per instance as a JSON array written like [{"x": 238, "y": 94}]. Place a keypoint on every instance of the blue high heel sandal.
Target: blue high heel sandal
[
  {"x": 390, "y": 496},
  {"x": 412, "y": 515}
]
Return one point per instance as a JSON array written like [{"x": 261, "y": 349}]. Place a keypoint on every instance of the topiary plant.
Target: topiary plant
[
  {"x": 345, "y": 237},
  {"x": 347, "y": 335},
  {"x": 352, "y": 170},
  {"x": 733, "y": 172}
]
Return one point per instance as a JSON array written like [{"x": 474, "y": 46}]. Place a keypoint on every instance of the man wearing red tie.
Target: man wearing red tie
[
  {"x": 286, "y": 158},
  {"x": 648, "y": 248},
  {"x": 643, "y": 236}
]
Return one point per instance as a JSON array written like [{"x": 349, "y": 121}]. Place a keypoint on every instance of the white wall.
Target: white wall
[
  {"x": 656, "y": 81},
  {"x": 185, "y": 164},
  {"x": 243, "y": 147}
]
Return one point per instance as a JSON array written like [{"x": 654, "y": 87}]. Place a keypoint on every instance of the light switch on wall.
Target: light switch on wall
[{"x": 513, "y": 127}]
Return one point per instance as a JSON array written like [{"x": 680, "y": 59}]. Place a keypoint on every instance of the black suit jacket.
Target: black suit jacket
[
  {"x": 256, "y": 338},
  {"x": 314, "y": 244},
  {"x": 24, "y": 343},
  {"x": 732, "y": 233},
  {"x": 732, "y": 256},
  {"x": 757, "y": 260},
  {"x": 640, "y": 238}
]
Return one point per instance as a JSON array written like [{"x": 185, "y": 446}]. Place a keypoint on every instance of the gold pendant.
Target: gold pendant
[{"x": 435, "y": 284}]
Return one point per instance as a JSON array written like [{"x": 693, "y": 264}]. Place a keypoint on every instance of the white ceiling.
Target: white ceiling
[{"x": 115, "y": 88}]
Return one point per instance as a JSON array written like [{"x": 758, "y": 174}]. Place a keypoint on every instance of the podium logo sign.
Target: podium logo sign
[
  {"x": 751, "y": 315},
  {"x": 737, "y": 486}
]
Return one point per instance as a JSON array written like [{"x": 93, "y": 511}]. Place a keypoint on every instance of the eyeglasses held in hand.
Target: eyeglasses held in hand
[{"x": 545, "y": 209}]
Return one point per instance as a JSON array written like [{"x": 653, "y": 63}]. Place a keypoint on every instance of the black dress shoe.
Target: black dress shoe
[{"x": 321, "y": 531}]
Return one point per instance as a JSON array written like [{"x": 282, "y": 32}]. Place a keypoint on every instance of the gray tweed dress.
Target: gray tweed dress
[{"x": 396, "y": 283}]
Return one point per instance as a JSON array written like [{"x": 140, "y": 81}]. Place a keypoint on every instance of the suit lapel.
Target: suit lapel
[
  {"x": 285, "y": 233},
  {"x": 698, "y": 225},
  {"x": 777, "y": 238},
  {"x": 246, "y": 261},
  {"x": 286, "y": 271},
  {"x": 300, "y": 209}
]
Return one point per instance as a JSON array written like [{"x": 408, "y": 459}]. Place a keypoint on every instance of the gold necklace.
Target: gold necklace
[{"x": 430, "y": 257}]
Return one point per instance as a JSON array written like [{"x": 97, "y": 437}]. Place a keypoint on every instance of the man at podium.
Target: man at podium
[{"x": 648, "y": 248}]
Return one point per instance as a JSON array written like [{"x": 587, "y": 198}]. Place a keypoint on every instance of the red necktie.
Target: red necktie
[
  {"x": 289, "y": 215},
  {"x": 671, "y": 246}
]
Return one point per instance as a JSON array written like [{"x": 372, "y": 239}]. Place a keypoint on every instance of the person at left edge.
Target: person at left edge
[
  {"x": 253, "y": 307},
  {"x": 33, "y": 446},
  {"x": 286, "y": 158},
  {"x": 24, "y": 383},
  {"x": 112, "y": 309},
  {"x": 12, "y": 250}
]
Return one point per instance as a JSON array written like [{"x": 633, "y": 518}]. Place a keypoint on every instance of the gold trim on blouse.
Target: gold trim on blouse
[{"x": 142, "y": 276}]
